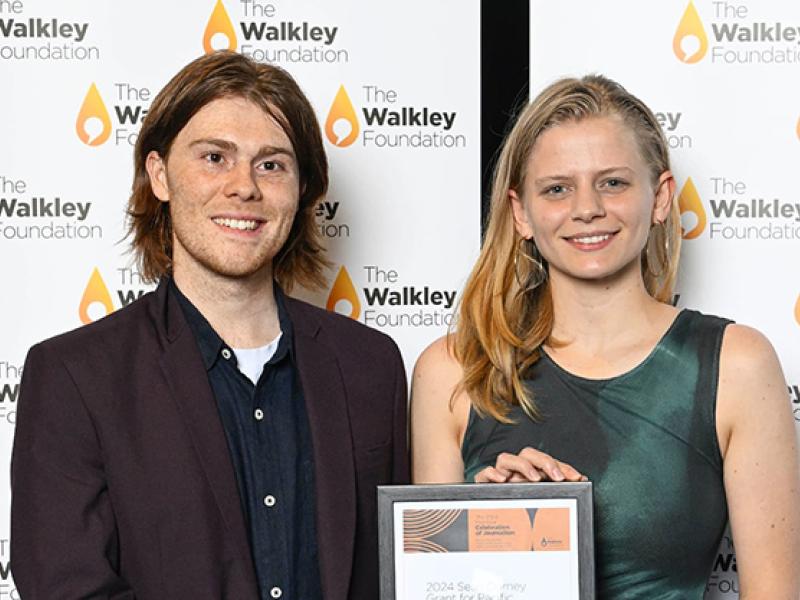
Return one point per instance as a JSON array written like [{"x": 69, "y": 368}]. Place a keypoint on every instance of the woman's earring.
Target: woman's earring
[
  {"x": 656, "y": 247},
  {"x": 527, "y": 252}
]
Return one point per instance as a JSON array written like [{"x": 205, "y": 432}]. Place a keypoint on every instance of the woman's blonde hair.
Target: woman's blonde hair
[{"x": 501, "y": 328}]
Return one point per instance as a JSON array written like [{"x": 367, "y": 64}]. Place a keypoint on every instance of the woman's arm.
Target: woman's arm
[
  {"x": 762, "y": 476},
  {"x": 437, "y": 431}
]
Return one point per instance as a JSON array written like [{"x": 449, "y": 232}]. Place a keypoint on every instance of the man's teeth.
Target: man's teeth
[
  {"x": 594, "y": 239},
  {"x": 240, "y": 224}
]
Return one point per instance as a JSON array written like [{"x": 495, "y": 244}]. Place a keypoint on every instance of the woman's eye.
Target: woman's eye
[
  {"x": 555, "y": 189},
  {"x": 615, "y": 183}
]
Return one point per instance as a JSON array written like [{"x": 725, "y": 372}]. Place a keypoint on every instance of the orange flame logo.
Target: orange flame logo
[
  {"x": 690, "y": 43},
  {"x": 797, "y": 310},
  {"x": 342, "y": 127},
  {"x": 344, "y": 291},
  {"x": 689, "y": 202},
  {"x": 93, "y": 125},
  {"x": 219, "y": 24},
  {"x": 96, "y": 291}
]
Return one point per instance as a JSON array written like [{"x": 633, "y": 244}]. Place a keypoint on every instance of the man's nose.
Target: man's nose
[{"x": 241, "y": 182}]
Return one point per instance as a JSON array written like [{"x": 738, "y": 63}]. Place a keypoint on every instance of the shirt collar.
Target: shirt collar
[{"x": 211, "y": 344}]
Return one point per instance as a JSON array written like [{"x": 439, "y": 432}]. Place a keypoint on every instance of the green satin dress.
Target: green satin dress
[{"x": 647, "y": 440}]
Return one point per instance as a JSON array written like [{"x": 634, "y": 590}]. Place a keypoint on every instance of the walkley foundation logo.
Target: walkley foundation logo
[
  {"x": 96, "y": 297},
  {"x": 690, "y": 43},
  {"x": 737, "y": 212},
  {"x": 96, "y": 301},
  {"x": 343, "y": 298},
  {"x": 219, "y": 33},
  {"x": 738, "y": 37},
  {"x": 266, "y": 36},
  {"x": 389, "y": 122},
  {"x": 329, "y": 222},
  {"x": 28, "y": 216},
  {"x": 673, "y": 125},
  {"x": 693, "y": 215},
  {"x": 388, "y": 302},
  {"x": 95, "y": 125},
  {"x": 724, "y": 578},
  {"x": 797, "y": 310},
  {"x": 10, "y": 376},
  {"x": 794, "y": 397},
  {"x": 341, "y": 126},
  {"x": 42, "y": 38}
]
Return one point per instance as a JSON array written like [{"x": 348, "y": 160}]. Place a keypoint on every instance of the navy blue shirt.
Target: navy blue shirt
[{"x": 269, "y": 439}]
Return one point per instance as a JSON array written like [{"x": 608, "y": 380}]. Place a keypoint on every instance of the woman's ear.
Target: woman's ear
[
  {"x": 665, "y": 193},
  {"x": 521, "y": 220}
]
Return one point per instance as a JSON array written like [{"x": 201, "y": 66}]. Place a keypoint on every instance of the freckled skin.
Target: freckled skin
[{"x": 203, "y": 181}]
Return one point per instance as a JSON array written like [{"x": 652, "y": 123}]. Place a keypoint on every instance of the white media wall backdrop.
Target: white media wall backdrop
[
  {"x": 724, "y": 80},
  {"x": 399, "y": 108}
]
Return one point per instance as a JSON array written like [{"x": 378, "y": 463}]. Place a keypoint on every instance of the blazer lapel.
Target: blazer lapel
[
  {"x": 334, "y": 470},
  {"x": 183, "y": 369}
]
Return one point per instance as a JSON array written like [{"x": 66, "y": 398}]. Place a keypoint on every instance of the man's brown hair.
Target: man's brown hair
[{"x": 219, "y": 75}]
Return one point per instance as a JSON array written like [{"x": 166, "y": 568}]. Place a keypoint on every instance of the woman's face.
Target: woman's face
[{"x": 588, "y": 199}]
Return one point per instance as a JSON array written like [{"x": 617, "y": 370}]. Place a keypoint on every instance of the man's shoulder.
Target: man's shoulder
[
  {"x": 344, "y": 333},
  {"x": 108, "y": 334}
]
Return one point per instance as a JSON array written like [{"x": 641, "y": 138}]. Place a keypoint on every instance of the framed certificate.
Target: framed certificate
[{"x": 486, "y": 541}]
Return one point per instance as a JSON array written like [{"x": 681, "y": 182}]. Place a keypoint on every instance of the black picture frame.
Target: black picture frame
[{"x": 581, "y": 492}]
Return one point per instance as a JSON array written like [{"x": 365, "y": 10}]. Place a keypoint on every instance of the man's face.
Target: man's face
[{"x": 233, "y": 189}]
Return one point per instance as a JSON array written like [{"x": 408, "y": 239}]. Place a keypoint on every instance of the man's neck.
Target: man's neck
[{"x": 243, "y": 311}]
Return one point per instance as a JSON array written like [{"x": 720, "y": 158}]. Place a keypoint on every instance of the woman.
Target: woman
[{"x": 567, "y": 346}]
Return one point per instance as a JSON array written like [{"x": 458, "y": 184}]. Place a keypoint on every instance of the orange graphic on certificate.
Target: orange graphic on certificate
[{"x": 486, "y": 530}]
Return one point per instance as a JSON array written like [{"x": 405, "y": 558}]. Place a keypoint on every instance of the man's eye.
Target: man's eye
[
  {"x": 270, "y": 165},
  {"x": 214, "y": 157}
]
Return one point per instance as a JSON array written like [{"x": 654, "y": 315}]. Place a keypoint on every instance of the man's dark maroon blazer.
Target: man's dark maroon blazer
[{"x": 122, "y": 483}]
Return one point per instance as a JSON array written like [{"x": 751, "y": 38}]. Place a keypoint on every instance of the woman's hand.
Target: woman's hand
[{"x": 528, "y": 465}]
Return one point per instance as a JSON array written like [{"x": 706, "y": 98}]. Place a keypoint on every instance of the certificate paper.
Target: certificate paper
[{"x": 486, "y": 549}]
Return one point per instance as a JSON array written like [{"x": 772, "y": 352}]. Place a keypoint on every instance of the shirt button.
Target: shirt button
[
  {"x": 226, "y": 354},
  {"x": 258, "y": 414},
  {"x": 269, "y": 500},
  {"x": 276, "y": 592}
]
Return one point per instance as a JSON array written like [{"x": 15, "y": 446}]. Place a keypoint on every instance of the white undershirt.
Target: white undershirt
[{"x": 251, "y": 361}]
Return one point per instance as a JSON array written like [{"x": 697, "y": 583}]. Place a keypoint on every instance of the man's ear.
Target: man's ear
[
  {"x": 521, "y": 223},
  {"x": 157, "y": 171},
  {"x": 665, "y": 192}
]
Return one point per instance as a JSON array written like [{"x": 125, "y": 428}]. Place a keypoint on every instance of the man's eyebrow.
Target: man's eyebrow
[
  {"x": 219, "y": 143},
  {"x": 270, "y": 150},
  {"x": 267, "y": 150}
]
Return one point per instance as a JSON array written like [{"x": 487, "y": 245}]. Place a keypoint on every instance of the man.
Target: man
[{"x": 216, "y": 439}]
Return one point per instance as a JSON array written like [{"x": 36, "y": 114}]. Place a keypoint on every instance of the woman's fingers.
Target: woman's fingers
[
  {"x": 529, "y": 465},
  {"x": 571, "y": 473},
  {"x": 516, "y": 463},
  {"x": 492, "y": 475},
  {"x": 544, "y": 463}
]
